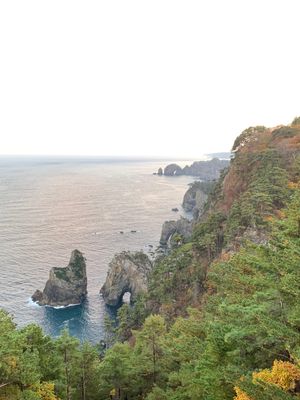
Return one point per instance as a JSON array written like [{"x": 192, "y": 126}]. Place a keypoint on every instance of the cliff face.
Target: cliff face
[
  {"x": 182, "y": 227},
  {"x": 128, "y": 272},
  {"x": 66, "y": 285},
  {"x": 195, "y": 198}
]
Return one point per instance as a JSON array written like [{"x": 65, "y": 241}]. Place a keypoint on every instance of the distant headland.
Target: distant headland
[{"x": 204, "y": 170}]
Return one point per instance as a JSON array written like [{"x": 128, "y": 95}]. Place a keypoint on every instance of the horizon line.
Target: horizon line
[{"x": 118, "y": 156}]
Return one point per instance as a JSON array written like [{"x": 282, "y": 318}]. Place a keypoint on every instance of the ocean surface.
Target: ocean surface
[{"x": 50, "y": 206}]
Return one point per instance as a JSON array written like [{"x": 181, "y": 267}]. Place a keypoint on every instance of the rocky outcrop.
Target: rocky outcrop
[
  {"x": 65, "y": 286},
  {"x": 172, "y": 170},
  {"x": 204, "y": 170},
  {"x": 160, "y": 171},
  {"x": 182, "y": 227},
  {"x": 196, "y": 196},
  {"x": 128, "y": 272}
]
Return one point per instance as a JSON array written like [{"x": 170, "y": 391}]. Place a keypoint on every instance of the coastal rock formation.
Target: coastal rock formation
[
  {"x": 66, "y": 285},
  {"x": 160, "y": 171},
  {"x": 172, "y": 170},
  {"x": 128, "y": 272},
  {"x": 205, "y": 170},
  {"x": 194, "y": 199},
  {"x": 182, "y": 227}
]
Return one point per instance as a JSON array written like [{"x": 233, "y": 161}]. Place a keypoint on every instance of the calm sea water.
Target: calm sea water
[{"x": 48, "y": 207}]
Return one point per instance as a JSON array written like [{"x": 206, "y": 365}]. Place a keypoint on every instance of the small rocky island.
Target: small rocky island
[
  {"x": 128, "y": 272},
  {"x": 65, "y": 286}
]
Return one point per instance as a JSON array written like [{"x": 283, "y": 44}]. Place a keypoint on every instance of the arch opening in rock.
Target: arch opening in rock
[
  {"x": 126, "y": 299},
  {"x": 128, "y": 273}
]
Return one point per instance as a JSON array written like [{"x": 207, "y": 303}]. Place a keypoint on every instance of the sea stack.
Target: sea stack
[
  {"x": 128, "y": 272},
  {"x": 65, "y": 286}
]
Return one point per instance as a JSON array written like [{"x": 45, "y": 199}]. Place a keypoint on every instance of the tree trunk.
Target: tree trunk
[{"x": 68, "y": 392}]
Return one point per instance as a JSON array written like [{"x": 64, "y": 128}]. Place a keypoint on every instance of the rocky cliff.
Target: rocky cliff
[
  {"x": 175, "y": 232},
  {"x": 65, "y": 286},
  {"x": 204, "y": 170},
  {"x": 128, "y": 272},
  {"x": 180, "y": 230},
  {"x": 240, "y": 208},
  {"x": 279, "y": 146},
  {"x": 196, "y": 197}
]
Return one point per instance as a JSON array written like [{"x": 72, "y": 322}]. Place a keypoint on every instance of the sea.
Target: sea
[{"x": 52, "y": 205}]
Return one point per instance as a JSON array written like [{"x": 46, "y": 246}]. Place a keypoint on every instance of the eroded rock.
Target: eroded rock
[
  {"x": 65, "y": 286},
  {"x": 194, "y": 200},
  {"x": 204, "y": 170},
  {"x": 182, "y": 227},
  {"x": 128, "y": 272},
  {"x": 172, "y": 170}
]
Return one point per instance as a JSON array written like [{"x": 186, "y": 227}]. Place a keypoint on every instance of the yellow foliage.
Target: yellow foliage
[
  {"x": 283, "y": 374},
  {"x": 293, "y": 185},
  {"x": 11, "y": 361},
  {"x": 268, "y": 218},
  {"x": 46, "y": 391}
]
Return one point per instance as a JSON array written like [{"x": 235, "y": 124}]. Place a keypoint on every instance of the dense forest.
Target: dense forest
[{"x": 221, "y": 319}]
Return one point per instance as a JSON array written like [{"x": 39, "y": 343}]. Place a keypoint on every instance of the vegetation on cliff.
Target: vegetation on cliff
[{"x": 221, "y": 319}]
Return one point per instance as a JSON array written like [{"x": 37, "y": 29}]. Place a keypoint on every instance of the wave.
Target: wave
[{"x": 36, "y": 304}]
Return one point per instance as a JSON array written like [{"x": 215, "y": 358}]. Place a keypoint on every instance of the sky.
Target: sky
[{"x": 144, "y": 78}]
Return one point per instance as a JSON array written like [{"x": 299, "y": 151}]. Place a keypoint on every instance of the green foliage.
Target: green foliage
[
  {"x": 34, "y": 366},
  {"x": 208, "y": 236},
  {"x": 116, "y": 370},
  {"x": 205, "y": 186},
  {"x": 296, "y": 121},
  {"x": 245, "y": 320},
  {"x": 287, "y": 131},
  {"x": 252, "y": 318},
  {"x": 61, "y": 273},
  {"x": 172, "y": 281},
  {"x": 130, "y": 317},
  {"x": 267, "y": 190},
  {"x": 149, "y": 352}
]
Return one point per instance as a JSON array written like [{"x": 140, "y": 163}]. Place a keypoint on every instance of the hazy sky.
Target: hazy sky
[{"x": 156, "y": 77}]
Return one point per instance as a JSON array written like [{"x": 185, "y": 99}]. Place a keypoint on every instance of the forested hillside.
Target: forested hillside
[{"x": 221, "y": 319}]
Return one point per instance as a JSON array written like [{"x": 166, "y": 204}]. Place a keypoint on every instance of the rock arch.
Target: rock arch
[
  {"x": 128, "y": 272},
  {"x": 172, "y": 170}
]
